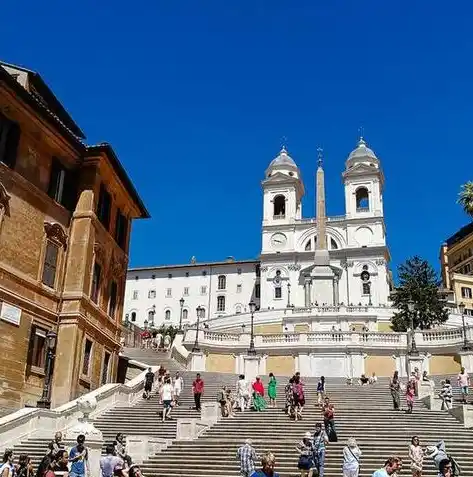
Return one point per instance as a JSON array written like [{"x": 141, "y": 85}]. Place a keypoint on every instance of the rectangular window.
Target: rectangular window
[
  {"x": 112, "y": 304},
  {"x": 203, "y": 290},
  {"x": 257, "y": 290},
  {"x": 239, "y": 287},
  {"x": 135, "y": 295},
  {"x": 96, "y": 277},
  {"x": 37, "y": 347},
  {"x": 366, "y": 288},
  {"x": 466, "y": 292},
  {"x": 62, "y": 185},
  {"x": 277, "y": 292},
  {"x": 87, "y": 356},
  {"x": 50, "y": 264},
  {"x": 105, "y": 368},
  {"x": 169, "y": 292},
  {"x": 186, "y": 291},
  {"x": 169, "y": 275},
  {"x": 104, "y": 206},
  {"x": 9, "y": 140},
  {"x": 152, "y": 294},
  {"x": 467, "y": 269},
  {"x": 121, "y": 230}
]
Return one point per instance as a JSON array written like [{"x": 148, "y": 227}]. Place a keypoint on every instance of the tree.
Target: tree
[
  {"x": 168, "y": 330},
  {"x": 418, "y": 282},
  {"x": 465, "y": 198}
]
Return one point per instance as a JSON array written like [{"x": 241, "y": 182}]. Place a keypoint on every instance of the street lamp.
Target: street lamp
[
  {"x": 181, "y": 302},
  {"x": 461, "y": 308},
  {"x": 196, "y": 348},
  {"x": 288, "y": 294},
  {"x": 45, "y": 401},
  {"x": 251, "y": 350},
  {"x": 411, "y": 307}
]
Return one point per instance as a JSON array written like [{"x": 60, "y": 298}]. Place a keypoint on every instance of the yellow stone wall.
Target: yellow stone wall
[
  {"x": 302, "y": 328},
  {"x": 280, "y": 365},
  {"x": 268, "y": 329},
  {"x": 381, "y": 365},
  {"x": 220, "y": 363},
  {"x": 385, "y": 327},
  {"x": 444, "y": 365}
]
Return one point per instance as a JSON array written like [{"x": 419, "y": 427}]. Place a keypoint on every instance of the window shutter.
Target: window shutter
[
  {"x": 70, "y": 191},
  {"x": 11, "y": 146},
  {"x": 50, "y": 264},
  {"x": 29, "y": 358},
  {"x": 53, "y": 178}
]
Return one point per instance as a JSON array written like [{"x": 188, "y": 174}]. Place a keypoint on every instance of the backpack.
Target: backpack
[
  {"x": 298, "y": 391},
  {"x": 456, "y": 469}
]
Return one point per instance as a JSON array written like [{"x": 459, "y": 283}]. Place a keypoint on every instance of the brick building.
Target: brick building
[{"x": 65, "y": 219}]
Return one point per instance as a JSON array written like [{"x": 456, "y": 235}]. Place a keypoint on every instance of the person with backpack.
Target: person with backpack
[
  {"x": 298, "y": 398},
  {"x": 320, "y": 440},
  {"x": 351, "y": 458},
  {"x": 438, "y": 453},
  {"x": 306, "y": 451}
]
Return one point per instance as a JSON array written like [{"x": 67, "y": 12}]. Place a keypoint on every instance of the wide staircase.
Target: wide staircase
[{"x": 361, "y": 412}]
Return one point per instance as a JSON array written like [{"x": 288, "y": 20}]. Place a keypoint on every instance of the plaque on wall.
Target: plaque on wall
[{"x": 10, "y": 313}]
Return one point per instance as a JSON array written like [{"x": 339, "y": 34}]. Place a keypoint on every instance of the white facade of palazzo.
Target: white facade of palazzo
[{"x": 285, "y": 276}]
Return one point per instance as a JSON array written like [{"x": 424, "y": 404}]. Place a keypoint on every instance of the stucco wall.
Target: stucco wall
[
  {"x": 302, "y": 328},
  {"x": 221, "y": 363},
  {"x": 280, "y": 365},
  {"x": 381, "y": 365},
  {"x": 444, "y": 365},
  {"x": 385, "y": 327},
  {"x": 268, "y": 329}
]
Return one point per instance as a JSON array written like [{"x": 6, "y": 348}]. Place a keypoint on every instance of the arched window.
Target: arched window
[
  {"x": 202, "y": 312},
  {"x": 167, "y": 315},
  {"x": 280, "y": 206},
  {"x": 222, "y": 282},
  {"x": 365, "y": 280},
  {"x": 220, "y": 303},
  {"x": 238, "y": 309},
  {"x": 308, "y": 245},
  {"x": 185, "y": 314},
  {"x": 133, "y": 316},
  {"x": 150, "y": 316},
  {"x": 333, "y": 244},
  {"x": 362, "y": 200}
]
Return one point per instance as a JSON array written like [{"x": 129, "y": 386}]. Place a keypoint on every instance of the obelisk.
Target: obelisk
[{"x": 322, "y": 274}]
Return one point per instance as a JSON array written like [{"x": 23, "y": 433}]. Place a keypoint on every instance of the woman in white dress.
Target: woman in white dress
[{"x": 351, "y": 458}]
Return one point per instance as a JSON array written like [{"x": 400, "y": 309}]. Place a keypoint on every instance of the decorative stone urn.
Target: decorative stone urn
[{"x": 86, "y": 405}]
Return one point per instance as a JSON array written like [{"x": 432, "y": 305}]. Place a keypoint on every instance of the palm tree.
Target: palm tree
[{"x": 465, "y": 198}]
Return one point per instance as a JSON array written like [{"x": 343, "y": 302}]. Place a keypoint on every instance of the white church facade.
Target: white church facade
[{"x": 297, "y": 269}]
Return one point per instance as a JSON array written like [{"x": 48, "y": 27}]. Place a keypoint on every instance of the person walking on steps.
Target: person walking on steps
[
  {"x": 306, "y": 451},
  {"x": 259, "y": 402},
  {"x": 416, "y": 454},
  {"x": 198, "y": 390},
  {"x": 463, "y": 381},
  {"x": 410, "y": 396},
  {"x": 149, "y": 380},
  {"x": 391, "y": 466},
  {"x": 79, "y": 456},
  {"x": 272, "y": 390},
  {"x": 178, "y": 387},
  {"x": 298, "y": 398},
  {"x": 167, "y": 396},
  {"x": 321, "y": 391},
  {"x": 329, "y": 420},
  {"x": 242, "y": 392},
  {"x": 351, "y": 458},
  {"x": 320, "y": 440},
  {"x": 446, "y": 395},
  {"x": 395, "y": 387},
  {"x": 247, "y": 457}
]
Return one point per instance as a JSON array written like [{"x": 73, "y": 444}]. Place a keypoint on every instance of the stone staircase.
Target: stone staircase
[{"x": 362, "y": 412}]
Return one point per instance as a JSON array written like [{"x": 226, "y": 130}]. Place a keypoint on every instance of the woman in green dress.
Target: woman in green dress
[
  {"x": 258, "y": 395},
  {"x": 272, "y": 390}
]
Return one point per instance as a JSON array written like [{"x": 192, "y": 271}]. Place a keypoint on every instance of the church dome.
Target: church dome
[
  {"x": 284, "y": 163},
  {"x": 362, "y": 154}
]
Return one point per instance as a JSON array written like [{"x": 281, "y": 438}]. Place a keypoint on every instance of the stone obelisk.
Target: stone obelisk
[{"x": 322, "y": 274}]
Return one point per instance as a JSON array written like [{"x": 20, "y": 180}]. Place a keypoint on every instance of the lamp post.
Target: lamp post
[
  {"x": 251, "y": 349},
  {"x": 288, "y": 294},
  {"x": 196, "y": 348},
  {"x": 370, "y": 303},
  {"x": 411, "y": 306},
  {"x": 461, "y": 308},
  {"x": 181, "y": 302},
  {"x": 45, "y": 401}
]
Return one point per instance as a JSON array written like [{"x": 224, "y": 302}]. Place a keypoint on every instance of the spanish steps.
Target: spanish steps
[{"x": 363, "y": 412}]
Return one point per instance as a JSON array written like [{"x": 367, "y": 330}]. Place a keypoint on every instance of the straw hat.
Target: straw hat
[{"x": 307, "y": 435}]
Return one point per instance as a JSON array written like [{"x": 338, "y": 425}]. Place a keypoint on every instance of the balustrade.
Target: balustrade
[
  {"x": 323, "y": 336},
  {"x": 216, "y": 336},
  {"x": 281, "y": 338}
]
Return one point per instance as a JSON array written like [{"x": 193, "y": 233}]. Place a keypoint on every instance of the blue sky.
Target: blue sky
[{"x": 196, "y": 97}]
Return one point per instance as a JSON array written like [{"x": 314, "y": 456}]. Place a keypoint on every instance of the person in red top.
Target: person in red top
[{"x": 197, "y": 389}]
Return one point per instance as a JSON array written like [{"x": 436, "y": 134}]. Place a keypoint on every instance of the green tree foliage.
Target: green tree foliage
[
  {"x": 465, "y": 198},
  {"x": 168, "y": 330},
  {"x": 418, "y": 282}
]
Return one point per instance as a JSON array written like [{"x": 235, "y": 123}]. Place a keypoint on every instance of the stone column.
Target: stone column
[
  {"x": 336, "y": 296},
  {"x": 307, "y": 294}
]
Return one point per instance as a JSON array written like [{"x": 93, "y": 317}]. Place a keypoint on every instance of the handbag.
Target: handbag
[{"x": 305, "y": 462}]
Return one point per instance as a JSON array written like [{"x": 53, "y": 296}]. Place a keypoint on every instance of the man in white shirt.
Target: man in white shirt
[
  {"x": 243, "y": 393},
  {"x": 167, "y": 395},
  {"x": 178, "y": 387}
]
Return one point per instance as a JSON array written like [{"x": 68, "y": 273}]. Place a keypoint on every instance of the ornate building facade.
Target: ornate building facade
[
  {"x": 65, "y": 216},
  {"x": 304, "y": 262}
]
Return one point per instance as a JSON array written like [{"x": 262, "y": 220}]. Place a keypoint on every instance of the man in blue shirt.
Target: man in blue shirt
[
  {"x": 79, "y": 458},
  {"x": 392, "y": 465}
]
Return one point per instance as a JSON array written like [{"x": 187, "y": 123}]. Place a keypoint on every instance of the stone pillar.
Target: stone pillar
[
  {"x": 307, "y": 291},
  {"x": 466, "y": 357},
  {"x": 415, "y": 361},
  {"x": 251, "y": 367},
  {"x": 211, "y": 412},
  {"x": 336, "y": 292},
  {"x": 197, "y": 361}
]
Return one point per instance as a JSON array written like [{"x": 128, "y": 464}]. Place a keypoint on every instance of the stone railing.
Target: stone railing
[
  {"x": 331, "y": 339},
  {"x": 33, "y": 422},
  {"x": 178, "y": 352}
]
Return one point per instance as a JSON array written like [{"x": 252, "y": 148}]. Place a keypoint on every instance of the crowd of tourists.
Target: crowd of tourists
[
  {"x": 155, "y": 340},
  {"x": 73, "y": 462}
]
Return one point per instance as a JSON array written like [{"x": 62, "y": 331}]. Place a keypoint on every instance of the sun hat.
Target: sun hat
[{"x": 308, "y": 435}]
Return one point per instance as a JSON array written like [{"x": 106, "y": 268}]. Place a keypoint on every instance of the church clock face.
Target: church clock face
[{"x": 278, "y": 241}]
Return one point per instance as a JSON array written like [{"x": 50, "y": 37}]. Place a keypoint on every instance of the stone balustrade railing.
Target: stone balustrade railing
[{"x": 332, "y": 339}]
